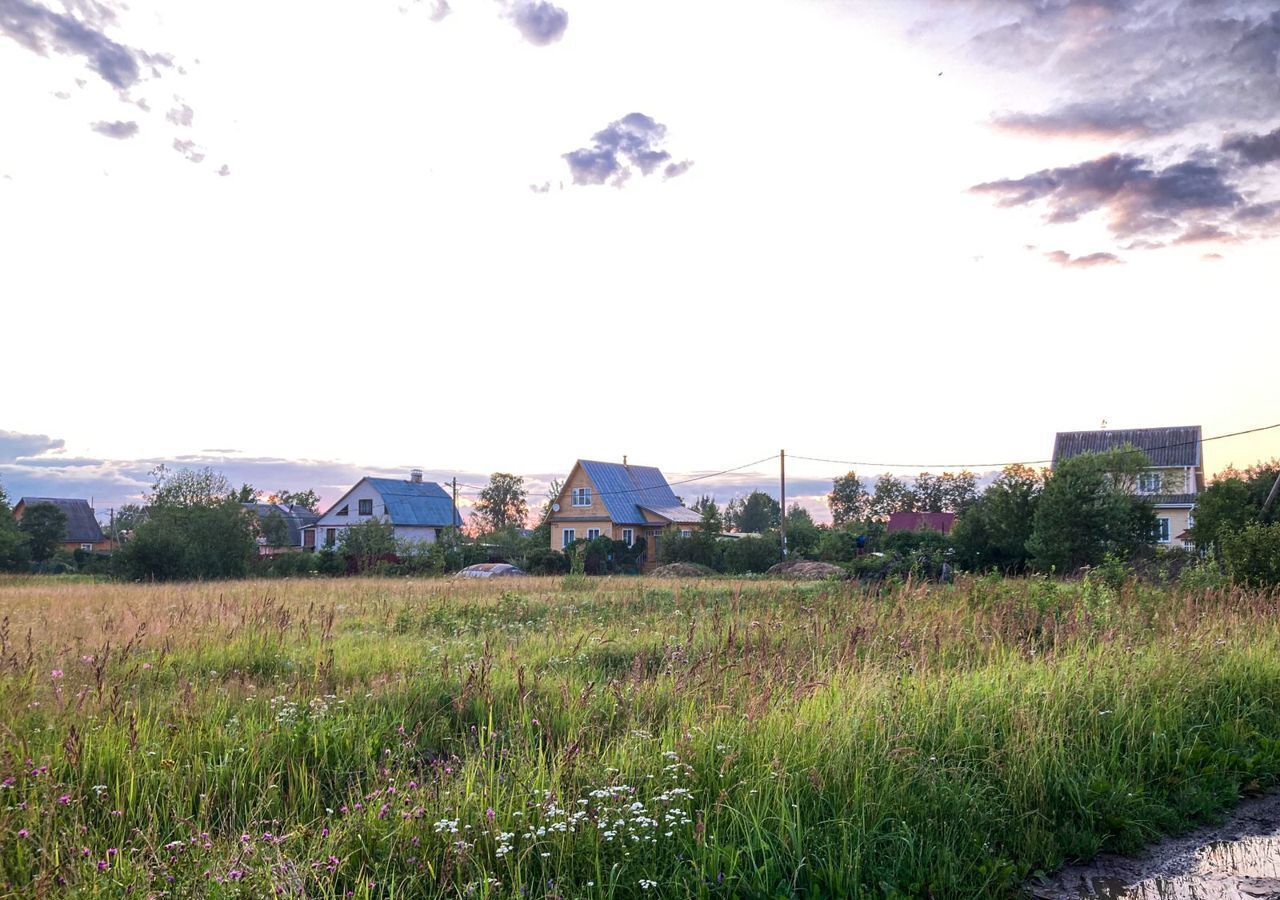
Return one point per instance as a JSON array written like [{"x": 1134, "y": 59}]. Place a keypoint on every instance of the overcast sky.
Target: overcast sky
[{"x": 304, "y": 241}]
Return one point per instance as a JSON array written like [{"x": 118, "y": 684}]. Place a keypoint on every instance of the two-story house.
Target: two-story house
[
  {"x": 419, "y": 511},
  {"x": 622, "y": 501},
  {"x": 1172, "y": 482}
]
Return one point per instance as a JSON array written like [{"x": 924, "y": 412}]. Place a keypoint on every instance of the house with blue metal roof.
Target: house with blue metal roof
[
  {"x": 418, "y": 511},
  {"x": 625, "y": 502}
]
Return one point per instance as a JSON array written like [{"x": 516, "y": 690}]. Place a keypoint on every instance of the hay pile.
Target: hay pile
[{"x": 806, "y": 570}]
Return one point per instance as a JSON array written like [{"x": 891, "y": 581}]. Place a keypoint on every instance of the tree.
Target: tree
[
  {"x": 891, "y": 495},
  {"x": 366, "y": 544},
  {"x": 1252, "y": 555},
  {"x": 45, "y": 527},
  {"x": 502, "y": 502},
  {"x": 756, "y": 514},
  {"x": 274, "y": 529},
  {"x": 247, "y": 494},
  {"x": 14, "y": 555},
  {"x": 992, "y": 532},
  {"x": 541, "y": 536},
  {"x": 128, "y": 517},
  {"x": 959, "y": 491},
  {"x": 848, "y": 501},
  {"x": 187, "y": 487},
  {"x": 1233, "y": 501},
  {"x": 802, "y": 533},
  {"x": 1088, "y": 508},
  {"x": 712, "y": 521},
  {"x": 307, "y": 499}
]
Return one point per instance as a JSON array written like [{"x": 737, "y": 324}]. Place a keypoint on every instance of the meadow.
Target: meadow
[{"x": 614, "y": 737}]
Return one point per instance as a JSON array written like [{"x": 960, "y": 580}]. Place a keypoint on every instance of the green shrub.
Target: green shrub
[
  {"x": 1252, "y": 555},
  {"x": 750, "y": 554}
]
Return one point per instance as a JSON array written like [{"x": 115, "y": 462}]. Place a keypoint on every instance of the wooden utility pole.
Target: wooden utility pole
[
  {"x": 454, "y": 522},
  {"x": 782, "y": 462},
  {"x": 1271, "y": 497}
]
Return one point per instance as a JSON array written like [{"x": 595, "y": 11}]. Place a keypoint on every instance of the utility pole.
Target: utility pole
[
  {"x": 782, "y": 461},
  {"x": 1271, "y": 497},
  {"x": 454, "y": 523}
]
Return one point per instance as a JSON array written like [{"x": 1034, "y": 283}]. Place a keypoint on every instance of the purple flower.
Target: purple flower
[
  {"x": 490, "y": 814},
  {"x": 22, "y": 832},
  {"x": 56, "y": 673},
  {"x": 65, "y": 799}
]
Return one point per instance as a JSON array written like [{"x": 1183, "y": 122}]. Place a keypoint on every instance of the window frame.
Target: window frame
[
  {"x": 1164, "y": 530},
  {"x": 686, "y": 532},
  {"x": 580, "y": 492},
  {"x": 567, "y": 537},
  {"x": 593, "y": 533},
  {"x": 360, "y": 504},
  {"x": 1150, "y": 482},
  {"x": 345, "y": 511},
  {"x": 628, "y": 536},
  {"x": 330, "y": 537}
]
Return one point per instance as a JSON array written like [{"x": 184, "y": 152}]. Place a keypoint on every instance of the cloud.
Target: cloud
[
  {"x": 541, "y": 23},
  {"x": 118, "y": 130},
  {"x": 181, "y": 116},
  {"x": 1067, "y": 261},
  {"x": 1151, "y": 78},
  {"x": 631, "y": 143},
  {"x": 225, "y": 170},
  {"x": 1206, "y": 233},
  {"x": 1255, "y": 149},
  {"x": 439, "y": 9},
  {"x": 1136, "y": 195},
  {"x": 189, "y": 150},
  {"x": 40, "y": 30},
  {"x": 15, "y": 445}
]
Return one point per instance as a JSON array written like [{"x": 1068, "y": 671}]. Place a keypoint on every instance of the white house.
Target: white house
[{"x": 418, "y": 510}]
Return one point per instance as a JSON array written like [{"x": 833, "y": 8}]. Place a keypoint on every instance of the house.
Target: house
[
  {"x": 1174, "y": 479},
  {"x": 419, "y": 511},
  {"x": 83, "y": 531},
  {"x": 623, "y": 501},
  {"x": 921, "y": 521},
  {"x": 295, "y": 518}
]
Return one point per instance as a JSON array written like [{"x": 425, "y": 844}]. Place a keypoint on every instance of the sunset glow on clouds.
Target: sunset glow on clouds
[{"x": 857, "y": 230}]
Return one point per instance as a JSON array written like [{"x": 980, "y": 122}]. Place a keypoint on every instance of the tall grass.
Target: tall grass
[{"x": 614, "y": 737}]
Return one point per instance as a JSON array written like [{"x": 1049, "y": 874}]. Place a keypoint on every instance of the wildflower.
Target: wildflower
[
  {"x": 64, "y": 800},
  {"x": 22, "y": 832},
  {"x": 56, "y": 673},
  {"x": 102, "y": 865},
  {"x": 146, "y": 665},
  {"x": 490, "y": 814},
  {"x": 647, "y": 884}
]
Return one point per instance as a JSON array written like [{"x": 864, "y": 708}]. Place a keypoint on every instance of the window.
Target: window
[
  {"x": 343, "y": 511},
  {"x": 1162, "y": 530},
  {"x": 685, "y": 532},
  {"x": 582, "y": 496},
  {"x": 567, "y": 537},
  {"x": 330, "y": 537},
  {"x": 593, "y": 533},
  {"x": 366, "y": 507},
  {"x": 1149, "y": 482},
  {"x": 86, "y": 547},
  {"x": 628, "y": 536}
]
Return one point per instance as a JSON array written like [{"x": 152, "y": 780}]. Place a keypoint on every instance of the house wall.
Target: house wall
[
  {"x": 102, "y": 546},
  {"x": 362, "y": 491},
  {"x": 420, "y": 534},
  {"x": 580, "y": 527},
  {"x": 1179, "y": 521}
]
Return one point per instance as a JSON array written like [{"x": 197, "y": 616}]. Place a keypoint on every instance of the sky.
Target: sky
[{"x": 301, "y": 242}]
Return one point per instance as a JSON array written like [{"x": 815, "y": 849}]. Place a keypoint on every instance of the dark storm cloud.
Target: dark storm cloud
[
  {"x": 117, "y": 130},
  {"x": 15, "y": 445},
  {"x": 1153, "y": 78},
  {"x": 632, "y": 142},
  {"x": 41, "y": 30},
  {"x": 1136, "y": 195},
  {"x": 1255, "y": 149},
  {"x": 1067, "y": 261},
  {"x": 541, "y": 23}
]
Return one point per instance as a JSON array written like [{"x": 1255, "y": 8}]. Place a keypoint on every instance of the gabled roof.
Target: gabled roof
[
  {"x": 1164, "y": 446},
  {"x": 82, "y": 525},
  {"x": 295, "y": 517},
  {"x": 416, "y": 502},
  {"x": 626, "y": 489},
  {"x": 915, "y": 521}
]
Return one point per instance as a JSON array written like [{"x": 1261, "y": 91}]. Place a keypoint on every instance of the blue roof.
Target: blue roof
[
  {"x": 625, "y": 489},
  {"x": 416, "y": 502}
]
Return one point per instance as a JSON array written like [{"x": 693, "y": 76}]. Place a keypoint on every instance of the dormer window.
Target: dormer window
[
  {"x": 582, "y": 496},
  {"x": 1149, "y": 482}
]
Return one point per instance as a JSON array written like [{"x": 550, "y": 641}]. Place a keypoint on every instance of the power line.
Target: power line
[
  {"x": 1032, "y": 462},
  {"x": 670, "y": 483}
]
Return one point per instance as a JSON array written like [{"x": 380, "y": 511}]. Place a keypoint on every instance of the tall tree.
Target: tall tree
[
  {"x": 712, "y": 520},
  {"x": 45, "y": 527},
  {"x": 757, "y": 513},
  {"x": 992, "y": 532},
  {"x": 848, "y": 501},
  {"x": 503, "y": 502},
  {"x": 246, "y": 494},
  {"x": 959, "y": 491},
  {"x": 187, "y": 487},
  {"x": 14, "y": 554},
  {"x": 891, "y": 495},
  {"x": 1089, "y": 508},
  {"x": 1233, "y": 501},
  {"x": 307, "y": 499}
]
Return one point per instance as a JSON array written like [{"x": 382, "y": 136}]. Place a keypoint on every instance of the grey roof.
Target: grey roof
[
  {"x": 626, "y": 489},
  {"x": 1159, "y": 500},
  {"x": 416, "y": 502},
  {"x": 82, "y": 525},
  {"x": 295, "y": 517},
  {"x": 1165, "y": 446}
]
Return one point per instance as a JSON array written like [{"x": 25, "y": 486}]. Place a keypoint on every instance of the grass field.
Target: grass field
[{"x": 613, "y": 737}]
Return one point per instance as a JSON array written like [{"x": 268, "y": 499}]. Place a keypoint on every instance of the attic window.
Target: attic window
[
  {"x": 1149, "y": 482},
  {"x": 366, "y": 507},
  {"x": 344, "y": 511},
  {"x": 582, "y": 496}
]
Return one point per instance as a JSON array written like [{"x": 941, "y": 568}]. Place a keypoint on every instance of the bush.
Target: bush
[
  {"x": 1252, "y": 555},
  {"x": 750, "y": 554},
  {"x": 700, "y": 548},
  {"x": 545, "y": 561}
]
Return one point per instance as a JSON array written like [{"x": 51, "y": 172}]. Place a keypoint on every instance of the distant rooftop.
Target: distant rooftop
[{"x": 1171, "y": 447}]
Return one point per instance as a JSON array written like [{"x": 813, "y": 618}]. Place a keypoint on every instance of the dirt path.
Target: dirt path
[{"x": 1239, "y": 860}]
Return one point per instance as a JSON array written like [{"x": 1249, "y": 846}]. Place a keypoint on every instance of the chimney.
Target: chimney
[
  {"x": 415, "y": 476},
  {"x": 624, "y": 459}
]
